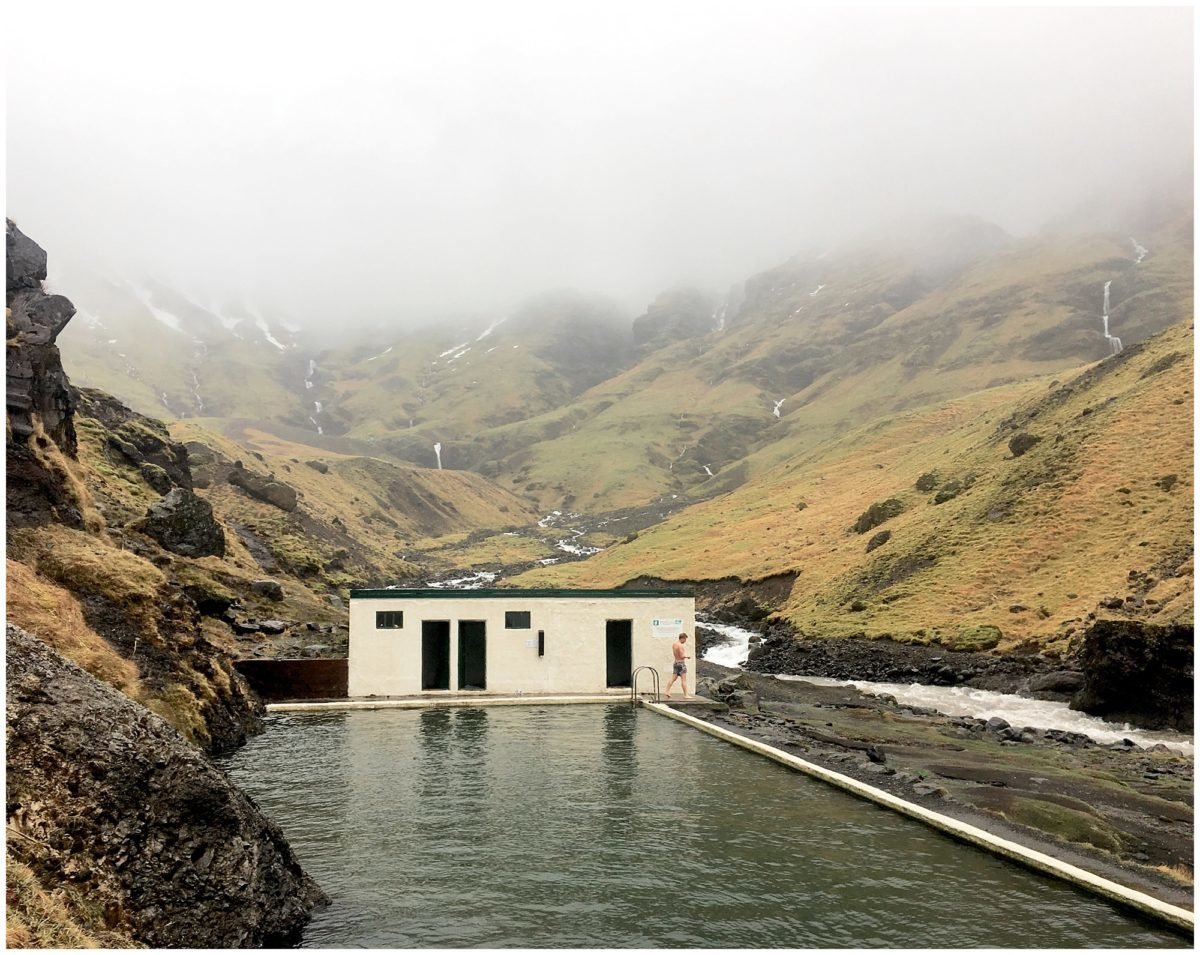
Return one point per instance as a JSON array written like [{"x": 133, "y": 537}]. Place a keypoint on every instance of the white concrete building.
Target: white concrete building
[{"x": 430, "y": 642}]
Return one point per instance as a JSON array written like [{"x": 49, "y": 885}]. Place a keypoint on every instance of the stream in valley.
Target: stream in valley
[{"x": 963, "y": 700}]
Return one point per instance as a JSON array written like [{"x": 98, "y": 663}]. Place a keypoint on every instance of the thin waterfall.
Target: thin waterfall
[
  {"x": 437, "y": 449},
  {"x": 1113, "y": 342}
]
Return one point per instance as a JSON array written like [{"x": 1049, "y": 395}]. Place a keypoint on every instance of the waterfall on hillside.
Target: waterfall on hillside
[
  {"x": 1113, "y": 342},
  {"x": 308, "y": 379},
  {"x": 317, "y": 405},
  {"x": 775, "y": 410},
  {"x": 437, "y": 449},
  {"x": 196, "y": 392},
  {"x": 707, "y": 470},
  {"x": 320, "y": 430},
  {"x": 1139, "y": 250}
]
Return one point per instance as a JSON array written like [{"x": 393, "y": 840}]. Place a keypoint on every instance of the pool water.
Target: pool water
[{"x": 612, "y": 827}]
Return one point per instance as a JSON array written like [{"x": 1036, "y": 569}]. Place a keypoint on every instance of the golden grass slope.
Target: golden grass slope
[{"x": 1054, "y": 530}]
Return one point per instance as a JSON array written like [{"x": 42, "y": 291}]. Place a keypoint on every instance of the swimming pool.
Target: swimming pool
[{"x": 611, "y": 827}]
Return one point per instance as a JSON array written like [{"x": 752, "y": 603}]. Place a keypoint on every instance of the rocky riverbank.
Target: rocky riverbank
[
  {"x": 1119, "y": 810},
  {"x": 885, "y": 661},
  {"x": 147, "y": 841},
  {"x": 1122, "y": 670}
]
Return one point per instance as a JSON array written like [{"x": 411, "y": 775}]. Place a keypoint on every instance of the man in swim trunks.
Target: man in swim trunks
[{"x": 679, "y": 667}]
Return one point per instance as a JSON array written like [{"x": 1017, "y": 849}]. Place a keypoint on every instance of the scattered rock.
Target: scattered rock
[
  {"x": 209, "y": 599},
  {"x": 1060, "y": 681},
  {"x": 878, "y": 540},
  {"x": 948, "y": 492},
  {"x": 318, "y": 466},
  {"x": 877, "y": 513},
  {"x": 184, "y": 524},
  {"x": 263, "y": 488},
  {"x": 273, "y": 627},
  {"x": 271, "y": 589},
  {"x": 1020, "y": 443},
  {"x": 927, "y": 481}
]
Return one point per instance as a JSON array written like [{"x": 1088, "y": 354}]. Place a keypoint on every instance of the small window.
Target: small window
[
  {"x": 516, "y": 620},
  {"x": 389, "y": 619}
]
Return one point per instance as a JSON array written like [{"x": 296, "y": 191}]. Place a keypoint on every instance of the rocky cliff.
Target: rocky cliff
[
  {"x": 36, "y": 383},
  {"x": 141, "y": 833},
  {"x": 120, "y": 830}
]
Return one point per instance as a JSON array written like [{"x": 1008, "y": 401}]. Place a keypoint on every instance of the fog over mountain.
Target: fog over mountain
[{"x": 354, "y": 163}]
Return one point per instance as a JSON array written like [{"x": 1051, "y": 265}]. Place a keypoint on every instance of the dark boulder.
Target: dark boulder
[
  {"x": 262, "y": 488},
  {"x": 877, "y": 513},
  {"x": 878, "y": 540},
  {"x": 210, "y": 600},
  {"x": 320, "y": 466},
  {"x": 1139, "y": 672},
  {"x": 1020, "y": 443},
  {"x": 184, "y": 524},
  {"x": 110, "y": 800},
  {"x": 1060, "y": 681},
  {"x": 927, "y": 481},
  {"x": 26, "y": 260},
  {"x": 270, "y": 589}
]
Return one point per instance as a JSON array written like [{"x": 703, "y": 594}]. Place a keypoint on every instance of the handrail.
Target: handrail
[{"x": 633, "y": 695}]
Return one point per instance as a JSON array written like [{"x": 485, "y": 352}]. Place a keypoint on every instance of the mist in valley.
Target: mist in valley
[{"x": 403, "y": 166}]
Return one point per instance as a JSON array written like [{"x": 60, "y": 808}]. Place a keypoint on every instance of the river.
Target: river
[{"x": 1020, "y": 711}]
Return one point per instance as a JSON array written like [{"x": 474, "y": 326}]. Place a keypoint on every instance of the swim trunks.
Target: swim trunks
[{"x": 680, "y": 668}]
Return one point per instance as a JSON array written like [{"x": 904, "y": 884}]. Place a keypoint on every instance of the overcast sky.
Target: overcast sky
[{"x": 344, "y": 161}]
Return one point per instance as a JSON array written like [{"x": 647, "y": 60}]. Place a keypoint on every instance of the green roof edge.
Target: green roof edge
[{"x": 510, "y": 593}]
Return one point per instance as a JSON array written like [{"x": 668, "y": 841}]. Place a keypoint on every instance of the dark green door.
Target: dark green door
[
  {"x": 435, "y": 654},
  {"x": 619, "y": 639},
  {"x": 472, "y": 655}
]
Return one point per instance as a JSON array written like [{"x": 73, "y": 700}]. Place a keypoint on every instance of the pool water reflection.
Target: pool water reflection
[{"x": 611, "y": 827}]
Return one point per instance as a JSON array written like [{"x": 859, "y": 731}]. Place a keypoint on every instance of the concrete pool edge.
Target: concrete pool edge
[
  {"x": 1173, "y": 915},
  {"x": 420, "y": 703}
]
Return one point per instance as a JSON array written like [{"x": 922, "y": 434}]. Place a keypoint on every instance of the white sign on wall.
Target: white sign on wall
[{"x": 666, "y": 629}]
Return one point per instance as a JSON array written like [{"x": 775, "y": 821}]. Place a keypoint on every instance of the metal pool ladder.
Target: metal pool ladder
[{"x": 633, "y": 693}]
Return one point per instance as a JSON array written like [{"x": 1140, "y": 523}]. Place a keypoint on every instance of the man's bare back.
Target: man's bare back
[{"x": 679, "y": 667}]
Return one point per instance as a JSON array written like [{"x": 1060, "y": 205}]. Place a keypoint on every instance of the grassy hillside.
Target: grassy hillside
[
  {"x": 358, "y": 519},
  {"x": 562, "y": 404},
  {"x": 1099, "y": 507},
  {"x": 882, "y": 334}
]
